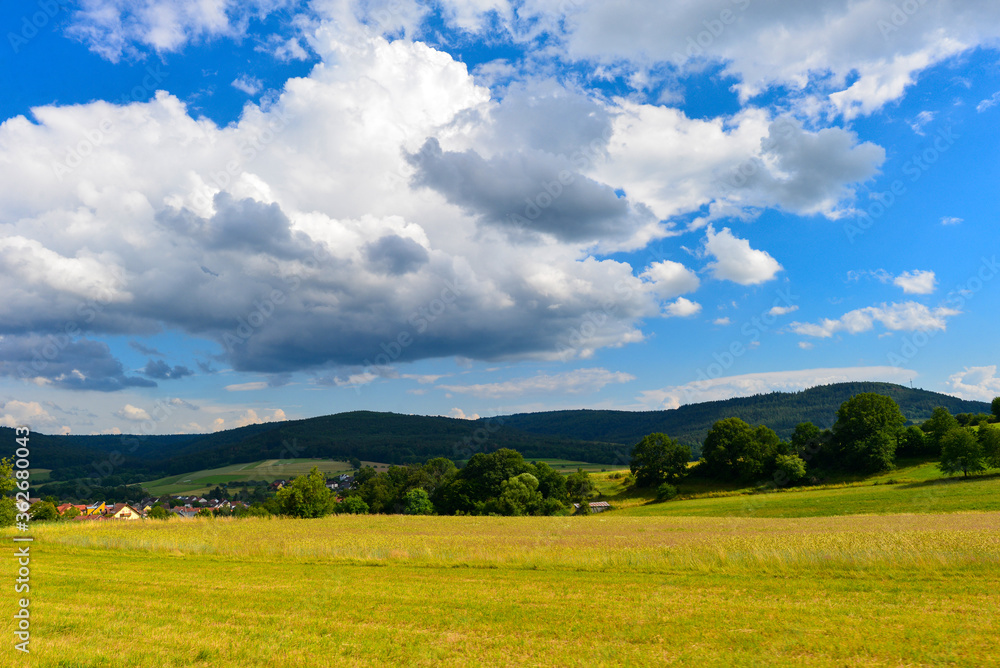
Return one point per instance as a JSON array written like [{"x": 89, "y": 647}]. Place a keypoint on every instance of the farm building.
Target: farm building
[{"x": 596, "y": 506}]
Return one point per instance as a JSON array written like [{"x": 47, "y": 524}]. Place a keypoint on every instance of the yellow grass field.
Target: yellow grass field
[{"x": 883, "y": 590}]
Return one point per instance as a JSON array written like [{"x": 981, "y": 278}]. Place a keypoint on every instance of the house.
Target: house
[
  {"x": 184, "y": 511},
  {"x": 122, "y": 511},
  {"x": 596, "y": 506},
  {"x": 98, "y": 508},
  {"x": 66, "y": 506}
]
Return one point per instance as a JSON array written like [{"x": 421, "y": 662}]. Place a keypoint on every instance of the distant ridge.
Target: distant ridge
[
  {"x": 780, "y": 411},
  {"x": 598, "y": 436}
]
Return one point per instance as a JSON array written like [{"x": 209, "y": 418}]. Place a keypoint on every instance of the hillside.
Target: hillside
[
  {"x": 594, "y": 436},
  {"x": 383, "y": 437},
  {"x": 780, "y": 411}
]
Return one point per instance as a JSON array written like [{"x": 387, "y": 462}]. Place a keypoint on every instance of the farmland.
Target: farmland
[
  {"x": 610, "y": 589},
  {"x": 200, "y": 482}
]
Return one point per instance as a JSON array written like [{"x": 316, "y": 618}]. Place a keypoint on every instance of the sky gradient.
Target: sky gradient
[{"x": 216, "y": 213}]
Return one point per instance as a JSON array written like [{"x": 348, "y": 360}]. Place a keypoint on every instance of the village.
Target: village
[{"x": 172, "y": 505}]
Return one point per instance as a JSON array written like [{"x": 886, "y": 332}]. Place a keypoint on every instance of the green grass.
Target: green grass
[
  {"x": 600, "y": 590},
  {"x": 569, "y": 466},
  {"x": 919, "y": 488},
  {"x": 200, "y": 482},
  {"x": 792, "y": 578}
]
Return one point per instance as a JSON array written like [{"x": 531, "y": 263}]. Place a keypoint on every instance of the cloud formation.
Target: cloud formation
[
  {"x": 905, "y": 316},
  {"x": 761, "y": 383},
  {"x": 975, "y": 382},
  {"x": 61, "y": 362},
  {"x": 916, "y": 282},
  {"x": 735, "y": 260},
  {"x": 578, "y": 381}
]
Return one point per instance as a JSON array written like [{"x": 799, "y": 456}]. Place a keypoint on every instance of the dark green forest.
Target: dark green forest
[
  {"x": 781, "y": 411},
  {"x": 604, "y": 437}
]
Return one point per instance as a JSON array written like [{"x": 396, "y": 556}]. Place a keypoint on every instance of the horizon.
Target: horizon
[
  {"x": 251, "y": 214},
  {"x": 143, "y": 434}
]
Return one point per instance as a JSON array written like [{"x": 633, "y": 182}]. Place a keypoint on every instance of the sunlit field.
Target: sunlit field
[
  {"x": 600, "y": 590},
  {"x": 200, "y": 482}
]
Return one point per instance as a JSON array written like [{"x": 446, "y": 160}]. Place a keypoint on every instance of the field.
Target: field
[
  {"x": 570, "y": 466},
  {"x": 903, "y": 572},
  {"x": 601, "y": 590},
  {"x": 200, "y": 482}
]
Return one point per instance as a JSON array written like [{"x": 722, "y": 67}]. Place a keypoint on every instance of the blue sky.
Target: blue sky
[{"x": 216, "y": 213}]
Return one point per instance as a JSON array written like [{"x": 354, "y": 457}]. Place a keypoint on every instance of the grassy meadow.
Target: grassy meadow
[
  {"x": 607, "y": 589},
  {"x": 901, "y": 569}
]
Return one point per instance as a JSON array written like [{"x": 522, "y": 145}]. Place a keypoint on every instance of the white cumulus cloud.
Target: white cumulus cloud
[
  {"x": 976, "y": 382},
  {"x": 682, "y": 308},
  {"x": 916, "y": 282},
  {"x": 905, "y": 316},
  {"x": 578, "y": 381},
  {"x": 735, "y": 260},
  {"x": 132, "y": 413}
]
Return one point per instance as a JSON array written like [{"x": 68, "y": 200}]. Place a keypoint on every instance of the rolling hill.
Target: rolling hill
[
  {"x": 780, "y": 411},
  {"x": 603, "y": 437}
]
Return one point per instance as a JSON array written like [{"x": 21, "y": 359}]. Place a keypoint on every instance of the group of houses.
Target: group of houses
[
  {"x": 124, "y": 511},
  {"x": 102, "y": 511},
  {"x": 182, "y": 506}
]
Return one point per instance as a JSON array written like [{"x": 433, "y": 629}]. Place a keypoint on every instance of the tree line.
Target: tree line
[
  {"x": 496, "y": 483},
  {"x": 867, "y": 436}
]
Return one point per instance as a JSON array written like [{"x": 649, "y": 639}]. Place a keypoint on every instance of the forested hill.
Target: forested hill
[
  {"x": 583, "y": 435},
  {"x": 780, "y": 411},
  {"x": 366, "y": 435}
]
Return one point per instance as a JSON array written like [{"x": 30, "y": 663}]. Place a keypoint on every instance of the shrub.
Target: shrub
[
  {"x": 666, "y": 491},
  {"x": 417, "y": 503},
  {"x": 353, "y": 505},
  {"x": 789, "y": 470}
]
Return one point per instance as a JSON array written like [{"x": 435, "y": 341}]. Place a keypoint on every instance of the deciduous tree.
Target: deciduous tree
[
  {"x": 866, "y": 432},
  {"x": 657, "y": 458},
  {"x": 579, "y": 486},
  {"x": 735, "y": 450},
  {"x": 306, "y": 496},
  {"x": 418, "y": 503},
  {"x": 962, "y": 451},
  {"x": 937, "y": 425}
]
